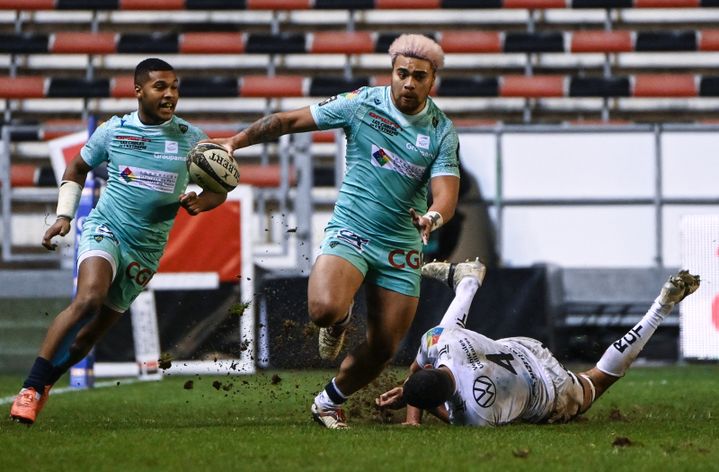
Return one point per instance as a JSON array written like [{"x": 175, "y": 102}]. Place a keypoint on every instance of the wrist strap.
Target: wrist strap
[
  {"x": 435, "y": 217},
  {"x": 68, "y": 199}
]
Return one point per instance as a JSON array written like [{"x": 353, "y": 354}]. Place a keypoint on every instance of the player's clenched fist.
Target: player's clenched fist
[{"x": 60, "y": 228}]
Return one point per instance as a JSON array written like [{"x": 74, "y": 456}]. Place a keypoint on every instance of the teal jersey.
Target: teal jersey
[
  {"x": 146, "y": 176},
  {"x": 390, "y": 159}
]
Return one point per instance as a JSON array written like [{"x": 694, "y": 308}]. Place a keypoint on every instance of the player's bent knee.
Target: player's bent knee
[
  {"x": 324, "y": 313},
  {"x": 86, "y": 305}
]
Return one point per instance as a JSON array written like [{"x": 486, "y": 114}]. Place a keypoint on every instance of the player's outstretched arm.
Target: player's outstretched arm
[
  {"x": 73, "y": 180},
  {"x": 270, "y": 128},
  {"x": 205, "y": 201}
]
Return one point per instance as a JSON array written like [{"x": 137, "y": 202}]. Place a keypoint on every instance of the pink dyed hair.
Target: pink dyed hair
[{"x": 419, "y": 47}]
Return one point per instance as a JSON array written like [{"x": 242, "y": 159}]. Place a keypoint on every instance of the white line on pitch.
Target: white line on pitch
[{"x": 58, "y": 391}]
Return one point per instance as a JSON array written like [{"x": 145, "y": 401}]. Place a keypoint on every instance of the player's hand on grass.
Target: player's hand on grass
[
  {"x": 422, "y": 223},
  {"x": 60, "y": 227},
  {"x": 391, "y": 399}
]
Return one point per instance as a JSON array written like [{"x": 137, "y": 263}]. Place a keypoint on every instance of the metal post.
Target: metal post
[
  {"x": 6, "y": 194},
  {"x": 303, "y": 202},
  {"x": 498, "y": 197},
  {"x": 658, "y": 199}
]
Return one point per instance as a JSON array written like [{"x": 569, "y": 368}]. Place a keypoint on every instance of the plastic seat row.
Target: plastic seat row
[
  {"x": 341, "y": 4},
  {"x": 340, "y": 42},
  {"x": 644, "y": 85}
]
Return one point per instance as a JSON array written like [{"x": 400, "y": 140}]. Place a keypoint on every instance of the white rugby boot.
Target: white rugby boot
[
  {"x": 331, "y": 418},
  {"x": 451, "y": 273},
  {"x": 332, "y": 339}
]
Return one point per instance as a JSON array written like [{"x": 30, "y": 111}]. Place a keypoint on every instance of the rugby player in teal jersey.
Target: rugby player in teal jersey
[
  {"x": 126, "y": 233},
  {"x": 398, "y": 141}
]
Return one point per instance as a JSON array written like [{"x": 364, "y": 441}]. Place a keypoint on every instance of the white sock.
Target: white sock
[
  {"x": 620, "y": 355},
  {"x": 324, "y": 401},
  {"x": 456, "y": 314}
]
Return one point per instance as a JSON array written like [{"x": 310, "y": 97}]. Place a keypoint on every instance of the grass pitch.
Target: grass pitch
[{"x": 654, "y": 419}]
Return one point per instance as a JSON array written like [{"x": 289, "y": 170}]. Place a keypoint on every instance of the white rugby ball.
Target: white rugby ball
[{"x": 211, "y": 167}]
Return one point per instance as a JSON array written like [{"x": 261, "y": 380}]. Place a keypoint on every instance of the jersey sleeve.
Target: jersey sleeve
[
  {"x": 94, "y": 152},
  {"x": 447, "y": 161},
  {"x": 338, "y": 110},
  {"x": 197, "y": 136}
]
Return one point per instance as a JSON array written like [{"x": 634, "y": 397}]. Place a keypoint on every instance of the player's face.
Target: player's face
[
  {"x": 157, "y": 97},
  {"x": 412, "y": 79}
]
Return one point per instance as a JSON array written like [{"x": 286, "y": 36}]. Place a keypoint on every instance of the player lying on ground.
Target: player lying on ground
[
  {"x": 398, "y": 140},
  {"x": 465, "y": 378},
  {"x": 126, "y": 233}
]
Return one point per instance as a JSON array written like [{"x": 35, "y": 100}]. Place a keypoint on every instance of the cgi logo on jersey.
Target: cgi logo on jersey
[{"x": 431, "y": 337}]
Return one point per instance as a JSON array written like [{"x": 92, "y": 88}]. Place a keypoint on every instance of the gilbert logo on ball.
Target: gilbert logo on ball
[{"x": 211, "y": 167}]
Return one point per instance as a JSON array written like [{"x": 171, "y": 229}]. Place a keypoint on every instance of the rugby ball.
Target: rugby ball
[{"x": 211, "y": 167}]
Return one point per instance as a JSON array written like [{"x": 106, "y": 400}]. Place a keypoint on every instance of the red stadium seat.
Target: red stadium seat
[
  {"x": 260, "y": 175},
  {"x": 82, "y": 43},
  {"x": 263, "y": 86},
  {"x": 602, "y": 41},
  {"x": 152, "y": 4},
  {"x": 27, "y": 4},
  {"x": 340, "y": 42},
  {"x": 708, "y": 40},
  {"x": 122, "y": 86},
  {"x": 23, "y": 175},
  {"x": 212, "y": 43},
  {"x": 323, "y": 137},
  {"x": 665, "y": 85},
  {"x": 532, "y": 87},
  {"x": 22, "y": 87},
  {"x": 278, "y": 4},
  {"x": 471, "y": 42},
  {"x": 403, "y": 4},
  {"x": 52, "y": 129}
]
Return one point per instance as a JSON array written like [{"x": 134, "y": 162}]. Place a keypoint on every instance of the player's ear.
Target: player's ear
[{"x": 138, "y": 90}]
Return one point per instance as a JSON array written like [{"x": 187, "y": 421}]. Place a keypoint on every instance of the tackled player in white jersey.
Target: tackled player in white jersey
[{"x": 465, "y": 378}]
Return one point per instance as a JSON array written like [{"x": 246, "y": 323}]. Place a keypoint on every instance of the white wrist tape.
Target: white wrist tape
[
  {"x": 68, "y": 199},
  {"x": 435, "y": 218}
]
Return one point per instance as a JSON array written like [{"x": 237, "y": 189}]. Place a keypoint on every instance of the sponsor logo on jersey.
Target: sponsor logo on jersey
[
  {"x": 386, "y": 160},
  {"x": 134, "y": 143},
  {"x": 422, "y": 141},
  {"x": 171, "y": 147},
  {"x": 384, "y": 125},
  {"x": 431, "y": 337},
  {"x": 169, "y": 157},
  {"x": 412, "y": 147},
  {"x": 354, "y": 240},
  {"x": 399, "y": 259},
  {"x": 138, "y": 274},
  {"x": 104, "y": 232},
  {"x": 156, "y": 180},
  {"x": 351, "y": 95},
  {"x": 484, "y": 391}
]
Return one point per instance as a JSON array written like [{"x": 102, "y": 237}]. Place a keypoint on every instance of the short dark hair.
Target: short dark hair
[
  {"x": 428, "y": 388},
  {"x": 143, "y": 69}
]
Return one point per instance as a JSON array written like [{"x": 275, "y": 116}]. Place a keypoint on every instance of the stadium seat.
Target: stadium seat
[
  {"x": 665, "y": 85},
  {"x": 341, "y": 42},
  {"x": 261, "y": 86},
  {"x": 211, "y": 43},
  {"x": 601, "y": 41},
  {"x": 22, "y": 87},
  {"x": 64, "y": 42},
  {"x": 532, "y": 87},
  {"x": 471, "y": 42}
]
